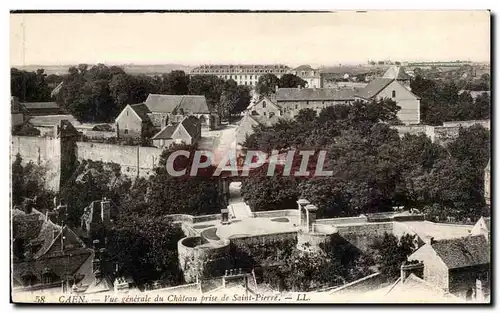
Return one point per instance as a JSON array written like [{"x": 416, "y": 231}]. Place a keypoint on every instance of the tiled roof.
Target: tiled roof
[
  {"x": 374, "y": 87},
  {"x": 166, "y": 132},
  {"x": 463, "y": 252},
  {"x": 171, "y": 103},
  {"x": 52, "y": 120},
  {"x": 40, "y": 105},
  {"x": 397, "y": 73},
  {"x": 193, "y": 104},
  {"x": 142, "y": 110},
  {"x": 189, "y": 123},
  {"x": 162, "y": 103},
  {"x": 58, "y": 266},
  {"x": 311, "y": 94}
]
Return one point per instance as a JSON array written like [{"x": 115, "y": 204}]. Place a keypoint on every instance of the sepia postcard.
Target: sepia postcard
[{"x": 250, "y": 157}]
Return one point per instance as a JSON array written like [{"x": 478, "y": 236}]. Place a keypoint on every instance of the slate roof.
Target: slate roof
[
  {"x": 40, "y": 105},
  {"x": 374, "y": 87},
  {"x": 314, "y": 94},
  {"x": 304, "y": 67},
  {"x": 193, "y": 104},
  {"x": 142, "y": 110},
  {"x": 34, "y": 228},
  {"x": 463, "y": 252},
  {"x": 397, "y": 73},
  {"x": 171, "y": 103},
  {"x": 189, "y": 123},
  {"x": 166, "y": 132},
  {"x": 42, "y": 108}
]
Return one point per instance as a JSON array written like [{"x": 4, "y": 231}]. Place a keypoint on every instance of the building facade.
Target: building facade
[
  {"x": 310, "y": 75},
  {"x": 188, "y": 131},
  {"x": 247, "y": 75},
  {"x": 395, "y": 85},
  {"x": 457, "y": 265},
  {"x": 264, "y": 107},
  {"x": 292, "y": 100}
]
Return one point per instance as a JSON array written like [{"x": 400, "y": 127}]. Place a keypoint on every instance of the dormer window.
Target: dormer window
[{"x": 394, "y": 93}]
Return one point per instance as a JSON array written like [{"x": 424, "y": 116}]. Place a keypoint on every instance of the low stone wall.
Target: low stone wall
[
  {"x": 343, "y": 220},
  {"x": 276, "y": 213},
  {"x": 207, "y": 218},
  {"x": 94, "y": 134},
  {"x": 485, "y": 123}
]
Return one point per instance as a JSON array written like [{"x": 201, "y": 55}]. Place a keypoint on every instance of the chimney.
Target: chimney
[
  {"x": 311, "y": 216},
  {"x": 105, "y": 211},
  {"x": 412, "y": 267}
]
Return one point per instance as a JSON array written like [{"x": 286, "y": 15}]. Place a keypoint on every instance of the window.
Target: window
[
  {"x": 254, "y": 112},
  {"x": 264, "y": 113},
  {"x": 271, "y": 114},
  {"x": 251, "y": 76},
  {"x": 263, "y": 104},
  {"x": 127, "y": 112},
  {"x": 125, "y": 131},
  {"x": 296, "y": 106},
  {"x": 394, "y": 93}
]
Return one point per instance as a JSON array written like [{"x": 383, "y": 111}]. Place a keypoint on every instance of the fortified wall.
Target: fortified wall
[
  {"x": 203, "y": 254},
  {"x": 57, "y": 155},
  {"x": 440, "y": 134},
  {"x": 134, "y": 160}
]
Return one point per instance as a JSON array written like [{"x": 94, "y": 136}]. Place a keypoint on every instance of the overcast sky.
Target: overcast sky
[{"x": 292, "y": 39}]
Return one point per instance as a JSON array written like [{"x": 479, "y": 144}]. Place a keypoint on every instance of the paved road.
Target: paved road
[{"x": 240, "y": 209}]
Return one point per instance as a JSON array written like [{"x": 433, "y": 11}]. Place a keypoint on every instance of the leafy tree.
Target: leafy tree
[
  {"x": 266, "y": 85},
  {"x": 168, "y": 193},
  {"x": 146, "y": 248},
  {"x": 390, "y": 252},
  {"x": 29, "y": 86},
  {"x": 291, "y": 81},
  {"x": 175, "y": 83},
  {"x": 208, "y": 85}
]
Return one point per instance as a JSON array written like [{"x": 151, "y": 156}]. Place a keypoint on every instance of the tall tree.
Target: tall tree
[
  {"x": 266, "y": 85},
  {"x": 291, "y": 81}
]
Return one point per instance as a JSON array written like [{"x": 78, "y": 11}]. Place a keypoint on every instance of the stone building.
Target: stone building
[
  {"x": 249, "y": 121},
  {"x": 188, "y": 131},
  {"x": 45, "y": 254},
  {"x": 292, "y": 100},
  {"x": 264, "y": 107},
  {"x": 158, "y": 111},
  {"x": 395, "y": 85},
  {"x": 247, "y": 75},
  {"x": 310, "y": 75},
  {"x": 457, "y": 265}
]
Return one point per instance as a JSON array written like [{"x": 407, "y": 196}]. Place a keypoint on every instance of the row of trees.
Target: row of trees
[
  {"x": 373, "y": 168},
  {"x": 441, "y": 102},
  {"x": 98, "y": 93}
]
